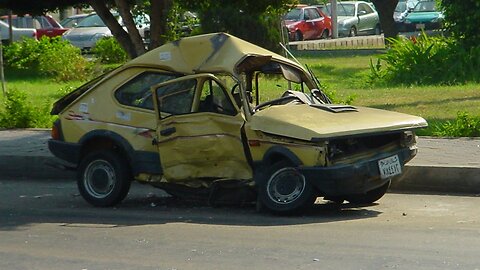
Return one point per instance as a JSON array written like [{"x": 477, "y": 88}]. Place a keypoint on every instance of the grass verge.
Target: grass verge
[{"x": 345, "y": 72}]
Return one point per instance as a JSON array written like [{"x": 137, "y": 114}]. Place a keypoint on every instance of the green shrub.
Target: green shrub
[
  {"x": 256, "y": 22},
  {"x": 52, "y": 57},
  {"x": 22, "y": 55},
  {"x": 463, "y": 126},
  {"x": 63, "y": 62},
  {"x": 462, "y": 20},
  {"x": 426, "y": 60},
  {"x": 18, "y": 113},
  {"x": 109, "y": 51}
]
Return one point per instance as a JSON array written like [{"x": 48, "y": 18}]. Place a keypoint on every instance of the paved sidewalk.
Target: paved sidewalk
[{"x": 442, "y": 165}]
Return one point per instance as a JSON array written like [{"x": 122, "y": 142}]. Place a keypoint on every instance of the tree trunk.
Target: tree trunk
[
  {"x": 117, "y": 30},
  {"x": 158, "y": 22},
  {"x": 124, "y": 10},
  {"x": 385, "y": 9}
]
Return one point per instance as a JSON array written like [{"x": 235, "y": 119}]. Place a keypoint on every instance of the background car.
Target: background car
[
  {"x": 45, "y": 25},
  {"x": 92, "y": 28},
  {"x": 304, "y": 23},
  {"x": 425, "y": 16},
  {"x": 18, "y": 33},
  {"x": 325, "y": 9},
  {"x": 399, "y": 14},
  {"x": 357, "y": 18},
  {"x": 184, "y": 26},
  {"x": 73, "y": 21}
]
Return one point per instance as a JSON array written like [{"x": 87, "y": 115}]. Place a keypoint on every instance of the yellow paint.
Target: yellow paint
[
  {"x": 206, "y": 146},
  {"x": 306, "y": 122}
]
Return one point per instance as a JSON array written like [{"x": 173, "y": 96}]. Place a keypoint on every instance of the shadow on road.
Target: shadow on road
[{"x": 52, "y": 202}]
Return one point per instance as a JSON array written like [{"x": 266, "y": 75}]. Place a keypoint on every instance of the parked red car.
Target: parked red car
[
  {"x": 309, "y": 22},
  {"x": 45, "y": 25}
]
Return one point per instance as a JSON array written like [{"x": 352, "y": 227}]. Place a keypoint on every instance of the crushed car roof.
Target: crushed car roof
[{"x": 209, "y": 53}]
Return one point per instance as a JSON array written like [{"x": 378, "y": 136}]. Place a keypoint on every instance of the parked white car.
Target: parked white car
[
  {"x": 91, "y": 29},
  {"x": 18, "y": 33},
  {"x": 357, "y": 18}
]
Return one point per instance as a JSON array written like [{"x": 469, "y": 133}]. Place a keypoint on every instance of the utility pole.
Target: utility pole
[
  {"x": 10, "y": 27},
  {"x": 334, "y": 19},
  {"x": 2, "y": 75}
]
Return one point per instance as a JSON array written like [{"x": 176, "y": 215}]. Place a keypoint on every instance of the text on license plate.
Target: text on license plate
[
  {"x": 389, "y": 167},
  {"x": 420, "y": 26}
]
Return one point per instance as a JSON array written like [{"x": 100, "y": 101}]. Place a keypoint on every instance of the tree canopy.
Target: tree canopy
[
  {"x": 462, "y": 20},
  {"x": 22, "y": 7},
  {"x": 257, "y": 21},
  {"x": 254, "y": 20}
]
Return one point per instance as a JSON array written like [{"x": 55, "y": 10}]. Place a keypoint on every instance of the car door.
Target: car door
[
  {"x": 308, "y": 25},
  {"x": 317, "y": 21},
  {"x": 366, "y": 18},
  {"x": 199, "y": 130}
]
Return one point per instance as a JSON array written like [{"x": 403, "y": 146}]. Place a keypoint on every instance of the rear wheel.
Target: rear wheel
[
  {"x": 353, "y": 31},
  {"x": 371, "y": 196},
  {"x": 298, "y": 36},
  {"x": 378, "y": 30},
  {"x": 324, "y": 34},
  {"x": 284, "y": 189},
  {"x": 103, "y": 178}
]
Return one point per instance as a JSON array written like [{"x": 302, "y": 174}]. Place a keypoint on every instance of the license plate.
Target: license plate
[
  {"x": 420, "y": 26},
  {"x": 389, "y": 167}
]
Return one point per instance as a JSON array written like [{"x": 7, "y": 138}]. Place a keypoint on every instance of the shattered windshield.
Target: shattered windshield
[{"x": 275, "y": 84}]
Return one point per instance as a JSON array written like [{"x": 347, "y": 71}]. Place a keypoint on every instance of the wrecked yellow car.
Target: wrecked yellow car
[{"x": 216, "y": 117}]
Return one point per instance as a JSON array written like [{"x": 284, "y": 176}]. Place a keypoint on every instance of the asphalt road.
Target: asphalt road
[{"x": 47, "y": 225}]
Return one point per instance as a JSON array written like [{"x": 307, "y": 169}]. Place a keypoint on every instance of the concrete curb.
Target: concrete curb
[
  {"x": 464, "y": 180},
  {"x": 442, "y": 165},
  {"x": 418, "y": 179}
]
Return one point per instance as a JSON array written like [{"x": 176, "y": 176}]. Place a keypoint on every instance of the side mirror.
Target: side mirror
[{"x": 362, "y": 12}]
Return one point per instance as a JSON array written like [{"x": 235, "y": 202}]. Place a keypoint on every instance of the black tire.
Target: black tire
[
  {"x": 104, "y": 178},
  {"x": 369, "y": 197},
  {"x": 353, "y": 32},
  {"x": 324, "y": 34},
  {"x": 378, "y": 30},
  {"x": 298, "y": 36},
  {"x": 284, "y": 190}
]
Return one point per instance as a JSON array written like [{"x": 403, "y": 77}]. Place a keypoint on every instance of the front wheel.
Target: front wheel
[
  {"x": 371, "y": 196},
  {"x": 298, "y": 36},
  {"x": 378, "y": 30},
  {"x": 284, "y": 189},
  {"x": 353, "y": 32},
  {"x": 103, "y": 178},
  {"x": 324, "y": 34}
]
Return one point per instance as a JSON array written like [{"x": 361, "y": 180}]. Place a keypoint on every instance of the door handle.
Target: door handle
[{"x": 168, "y": 131}]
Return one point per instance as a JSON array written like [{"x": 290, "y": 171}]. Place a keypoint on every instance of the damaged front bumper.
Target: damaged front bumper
[{"x": 357, "y": 178}]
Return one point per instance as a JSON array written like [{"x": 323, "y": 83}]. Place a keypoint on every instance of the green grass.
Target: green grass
[
  {"x": 347, "y": 75},
  {"x": 41, "y": 92},
  {"x": 344, "y": 72},
  {"x": 39, "y": 89}
]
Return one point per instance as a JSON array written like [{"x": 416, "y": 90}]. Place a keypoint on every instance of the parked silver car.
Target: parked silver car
[
  {"x": 91, "y": 29},
  {"x": 73, "y": 20},
  {"x": 17, "y": 33},
  {"x": 357, "y": 18}
]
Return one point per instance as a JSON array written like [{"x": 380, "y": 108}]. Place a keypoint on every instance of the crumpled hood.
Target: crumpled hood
[{"x": 306, "y": 122}]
